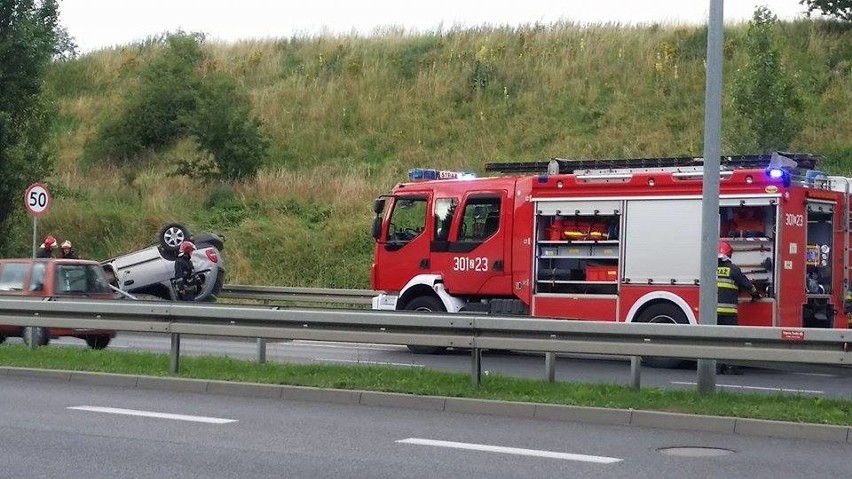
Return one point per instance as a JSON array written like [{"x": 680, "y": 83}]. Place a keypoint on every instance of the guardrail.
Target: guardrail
[
  {"x": 810, "y": 346},
  {"x": 299, "y": 295}
]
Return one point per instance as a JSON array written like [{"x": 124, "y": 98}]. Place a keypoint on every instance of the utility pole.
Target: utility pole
[{"x": 710, "y": 193}]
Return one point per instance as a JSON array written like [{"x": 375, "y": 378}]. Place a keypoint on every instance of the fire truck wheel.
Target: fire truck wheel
[
  {"x": 429, "y": 304},
  {"x": 663, "y": 313}
]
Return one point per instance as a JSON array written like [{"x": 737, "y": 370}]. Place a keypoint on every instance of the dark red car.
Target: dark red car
[{"x": 56, "y": 278}]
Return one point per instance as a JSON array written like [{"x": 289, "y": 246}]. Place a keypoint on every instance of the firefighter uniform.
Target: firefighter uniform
[{"x": 730, "y": 280}]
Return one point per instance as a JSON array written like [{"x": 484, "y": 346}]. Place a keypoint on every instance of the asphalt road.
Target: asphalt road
[
  {"x": 53, "y": 429},
  {"x": 574, "y": 369}
]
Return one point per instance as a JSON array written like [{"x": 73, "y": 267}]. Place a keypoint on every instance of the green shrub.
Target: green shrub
[
  {"x": 151, "y": 117},
  {"x": 223, "y": 125}
]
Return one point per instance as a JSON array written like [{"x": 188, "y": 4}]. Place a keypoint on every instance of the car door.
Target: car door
[
  {"x": 473, "y": 260},
  {"x": 403, "y": 248}
]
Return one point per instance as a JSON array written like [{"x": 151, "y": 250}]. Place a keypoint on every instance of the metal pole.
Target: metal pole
[
  {"x": 261, "y": 350},
  {"x": 635, "y": 372},
  {"x": 31, "y": 335},
  {"x": 35, "y": 234},
  {"x": 550, "y": 366},
  {"x": 476, "y": 367},
  {"x": 174, "y": 366},
  {"x": 31, "y": 332},
  {"x": 706, "y": 374}
]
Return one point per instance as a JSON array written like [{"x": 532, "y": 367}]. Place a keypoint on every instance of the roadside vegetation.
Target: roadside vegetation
[
  {"x": 434, "y": 383},
  {"x": 330, "y": 123}
]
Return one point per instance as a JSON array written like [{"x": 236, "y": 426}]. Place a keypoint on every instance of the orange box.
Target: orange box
[{"x": 601, "y": 273}]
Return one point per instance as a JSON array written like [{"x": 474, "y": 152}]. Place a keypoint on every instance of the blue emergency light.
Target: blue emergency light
[
  {"x": 779, "y": 168},
  {"x": 426, "y": 174}
]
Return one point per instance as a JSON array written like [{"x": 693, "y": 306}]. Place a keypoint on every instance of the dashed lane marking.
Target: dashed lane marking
[
  {"x": 158, "y": 415},
  {"x": 356, "y": 361},
  {"x": 510, "y": 450},
  {"x": 756, "y": 388}
]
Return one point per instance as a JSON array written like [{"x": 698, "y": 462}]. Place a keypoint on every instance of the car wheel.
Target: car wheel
[
  {"x": 98, "y": 342},
  {"x": 2, "y": 338},
  {"x": 425, "y": 303},
  {"x": 172, "y": 235},
  {"x": 663, "y": 313},
  {"x": 42, "y": 338}
]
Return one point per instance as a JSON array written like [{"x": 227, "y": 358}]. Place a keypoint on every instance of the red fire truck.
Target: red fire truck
[{"x": 614, "y": 240}]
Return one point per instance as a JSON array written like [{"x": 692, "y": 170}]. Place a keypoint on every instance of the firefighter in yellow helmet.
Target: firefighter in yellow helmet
[{"x": 730, "y": 280}]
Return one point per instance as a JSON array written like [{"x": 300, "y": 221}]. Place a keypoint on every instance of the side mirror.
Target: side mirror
[
  {"x": 376, "y": 229},
  {"x": 379, "y": 205}
]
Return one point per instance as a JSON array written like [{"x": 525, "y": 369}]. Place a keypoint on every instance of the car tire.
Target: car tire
[
  {"x": 426, "y": 304},
  {"x": 2, "y": 338},
  {"x": 98, "y": 342},
  {"x": 172, "y": 235},
  {"x": 663, "y": 313},
  {"x": 42, "y": 337}
]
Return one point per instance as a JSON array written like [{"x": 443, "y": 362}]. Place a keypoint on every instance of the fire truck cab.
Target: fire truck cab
[{"x": 615, "y": 240}]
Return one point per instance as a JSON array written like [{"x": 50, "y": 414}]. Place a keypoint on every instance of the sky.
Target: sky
[{"x": 97, "y": 24}]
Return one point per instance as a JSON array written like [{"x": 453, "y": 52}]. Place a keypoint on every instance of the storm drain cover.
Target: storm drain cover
[{"x": 695, "y": 451}]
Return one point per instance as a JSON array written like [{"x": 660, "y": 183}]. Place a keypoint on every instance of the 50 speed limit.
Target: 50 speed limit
[{"x": 37, "y": 199}]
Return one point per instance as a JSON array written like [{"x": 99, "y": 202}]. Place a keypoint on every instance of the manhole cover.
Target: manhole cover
[{"x": 695, "y": 451}]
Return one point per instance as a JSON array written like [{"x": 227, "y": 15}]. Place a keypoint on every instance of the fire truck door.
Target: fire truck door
[
  {"x": 404, "y": 250},
  {"x": 473, "y": 260}
]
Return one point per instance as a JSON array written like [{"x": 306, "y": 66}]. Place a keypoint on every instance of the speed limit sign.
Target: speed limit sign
[{"x": 37, "y": 199}]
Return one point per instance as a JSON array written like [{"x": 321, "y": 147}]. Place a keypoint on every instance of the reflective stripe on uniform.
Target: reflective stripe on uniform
[{"x": 728, "y": 285}]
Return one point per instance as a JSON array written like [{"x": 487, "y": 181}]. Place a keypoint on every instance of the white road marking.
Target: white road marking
[
  {"x": 757, "y": 388},
  {"x": 159, "y": 415},
  {"x": 381, "y": 363},
  {"x": 341, "y": 345},
  {"x": 511, "y": 450}
]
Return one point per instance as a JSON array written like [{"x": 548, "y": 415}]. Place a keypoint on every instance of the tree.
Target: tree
[
  {"x": 175, "y": 100},
  {"x": 224, "y": 127},
  {"x": 763, "y": 95},
  {"x": 151, "y": 115},
  {"x": 841, "y": 9},
  {"x": 28, "y": 41}
]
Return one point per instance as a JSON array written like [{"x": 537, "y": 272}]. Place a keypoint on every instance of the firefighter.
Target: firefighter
[
  {"x": 730, "y": 280},
  {"x": 184, "y": 271},
  {"x": 68, "y": 250},
  {"x": 46, "y": 248}
]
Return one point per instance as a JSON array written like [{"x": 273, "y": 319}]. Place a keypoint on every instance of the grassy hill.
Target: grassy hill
[{"x": 349, "y": 116}]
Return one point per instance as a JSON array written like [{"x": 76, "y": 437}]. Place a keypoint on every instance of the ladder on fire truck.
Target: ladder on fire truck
[{"x": 797, "y": 161}]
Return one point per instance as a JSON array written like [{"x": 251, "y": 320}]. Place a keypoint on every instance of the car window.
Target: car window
[
  {"x": 37, "y": 280},
  {"x": 80, "y": 279},
  {"x": 12, "y": 276}
]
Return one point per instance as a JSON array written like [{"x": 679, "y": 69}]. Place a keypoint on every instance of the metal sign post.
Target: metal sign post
[
  {"x": 37, "y": 202},
  {"x": 35, "y": 234}
]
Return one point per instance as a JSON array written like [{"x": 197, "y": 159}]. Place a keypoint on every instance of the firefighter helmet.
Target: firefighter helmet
[
  {"x": 66, "y": 244},
  {"x": 49, "y": 242},
  {"x": 725, "y": 249},
  {"x": 186, "y": 247}
]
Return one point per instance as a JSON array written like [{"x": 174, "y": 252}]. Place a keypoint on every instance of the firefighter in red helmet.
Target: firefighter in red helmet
[
  {"x": 185, "y": 272},
  {"x": 730, "y": 280},
  {"x": 46, "y": 248}
]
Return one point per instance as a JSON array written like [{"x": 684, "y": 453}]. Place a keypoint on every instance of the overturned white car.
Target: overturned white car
[{"x": 151, "y": 271}]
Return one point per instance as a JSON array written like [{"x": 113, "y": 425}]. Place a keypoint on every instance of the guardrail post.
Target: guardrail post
[
  {"x": 476, "y": 366},
  {"x": 635, "y": 368},
  {"x": 550, "y": 366},
  {"x": 32, "y": 336},
  {"x": 174, "y": 367},
  {"x": 261, "y": 350}
]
